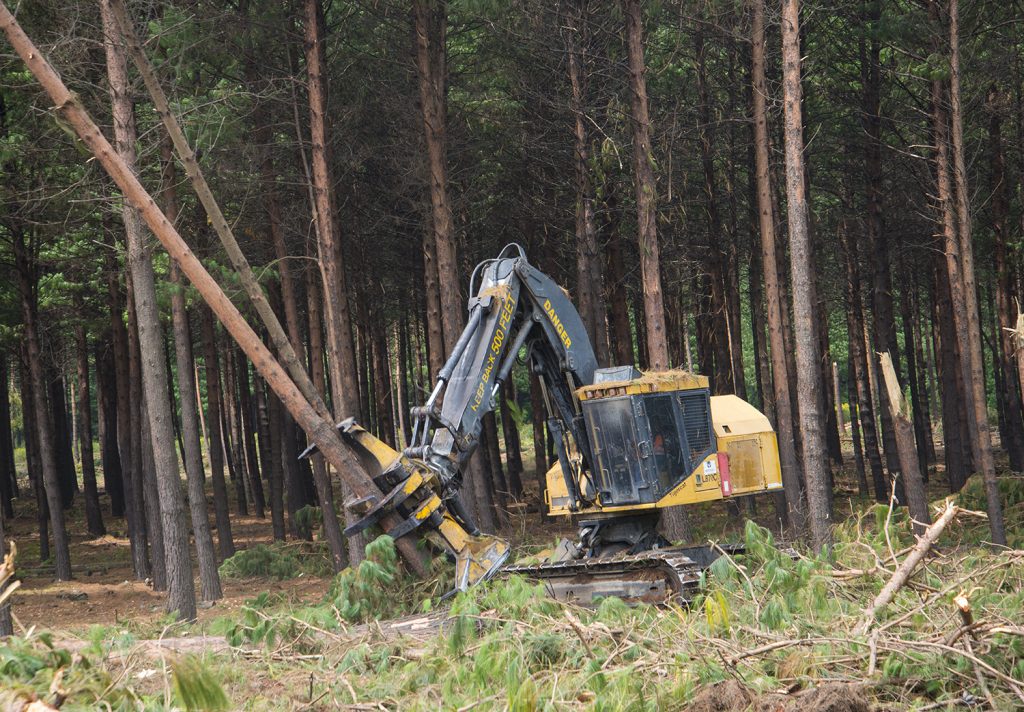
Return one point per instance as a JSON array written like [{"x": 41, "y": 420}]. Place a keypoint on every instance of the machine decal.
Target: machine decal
[
  {"x": 497, "y": 341},
  {"x": 553, "y": 315},
  {"x": 707, "y": 478}
]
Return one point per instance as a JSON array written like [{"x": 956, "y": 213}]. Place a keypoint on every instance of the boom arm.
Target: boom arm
[{"x": 515, "y": 306}]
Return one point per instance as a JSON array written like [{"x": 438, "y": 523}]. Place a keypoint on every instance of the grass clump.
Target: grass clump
[{"x": 278, "y": 561}]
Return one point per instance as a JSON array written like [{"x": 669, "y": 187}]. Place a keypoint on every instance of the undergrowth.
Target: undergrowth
[
  {"x": 279, "y": 561},
  {"x": 32, "y": 669},
  {"x": 766, "y": 620}
]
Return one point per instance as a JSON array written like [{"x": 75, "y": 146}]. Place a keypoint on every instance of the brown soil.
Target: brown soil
[{"x": 104, "y": 590}]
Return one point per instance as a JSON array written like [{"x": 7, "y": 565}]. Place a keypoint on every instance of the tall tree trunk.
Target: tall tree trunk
[
  {"x": 859, "y": 363},
  {"x": 589, "y": 279},
  {"x": 1010, "y": 393},
  {"x": 8, "y": 475},
  {"x": 883, "y": 323},
  {"x": 181, "y": 591},
  {"x": 780, "y": 378},
  {"x": 211, "y": 363},
  {"x": 815, "y": 456},
  {"x": 106, "y": 408},
  {"x": 716, "y": 265},
  {"x": 341, "y": 353},
  {"x": 62, "y": 436},
  {"x": 674, "y": 520},
  {"x": 947, "y": 353},
  {"x": 248, "y": 424},
  {"x": 122, "y": 382},
  {"x": 646, "y": 191},
  {"x": 93, "y": 513},
  {"x": 195, "y": 474},
  {"x": 32, "y": 458},
  {"x": 232, "y": 431},
  {"x": 858, "y": 449},
  {"x": 44, "y": 437},
  {"x": 973, "y": 335}
]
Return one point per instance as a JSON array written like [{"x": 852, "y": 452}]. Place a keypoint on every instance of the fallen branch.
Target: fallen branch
[{"x": 899, "y": 579}]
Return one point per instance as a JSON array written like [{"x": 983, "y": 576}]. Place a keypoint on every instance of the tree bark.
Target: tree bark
[
  {"x": 122, "y": 380},
  {"x": 1010, "y": 393},
  {"x": 646, "y": 192},
  {"x": 815, "y": 455},
  {"x": 44, "y": 445},
  {"x": 716, "y": 264},
  {"x": 8, "y": 475},
  {"x": 93, "y": 513},
  {"x": 106, "y": 407},
  {"x": 341, "y": 353},
  {"x": 211, "y": 363},
  {"x": 795, "y": 511},
  {"x": 973, "y": 335},
  {"x": 589, "y": 278},
  {"x": 883, "y": 322},
  {"x": 910, "y": 465},
  {"x": 859, "y": 375},
  {"x": 195, "y": 474}
]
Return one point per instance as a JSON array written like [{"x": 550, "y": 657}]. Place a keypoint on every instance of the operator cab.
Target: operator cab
[{"x": 648, "y": 432}]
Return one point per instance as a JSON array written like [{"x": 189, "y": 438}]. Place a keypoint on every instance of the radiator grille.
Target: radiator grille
[{"x": 696, "y": 409}]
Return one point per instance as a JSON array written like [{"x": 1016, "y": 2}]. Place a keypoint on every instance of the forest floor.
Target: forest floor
[{"x": 316, "y": 642}]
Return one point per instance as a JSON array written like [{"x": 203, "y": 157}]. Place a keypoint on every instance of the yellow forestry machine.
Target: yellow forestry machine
[{"x": 629, "y": 444}]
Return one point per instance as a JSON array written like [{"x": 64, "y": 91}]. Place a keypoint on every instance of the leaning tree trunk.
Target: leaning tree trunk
[
  {"x": 319, "y": 429},
  {"x": 815, "y": 455}
]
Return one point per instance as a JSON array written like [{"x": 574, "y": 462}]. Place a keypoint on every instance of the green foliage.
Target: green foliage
[
  {"x": 308, "y": 520},
  {"x": 196, "y": 688},
  {"x": 278, "y": 561},
  {"x": 368, "y": 591}
]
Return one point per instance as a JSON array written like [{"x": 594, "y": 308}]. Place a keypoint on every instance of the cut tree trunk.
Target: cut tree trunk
[{"x": 910, "y": 461}]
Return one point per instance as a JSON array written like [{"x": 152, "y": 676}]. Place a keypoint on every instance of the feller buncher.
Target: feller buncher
[{"x": 629, "y": 445}]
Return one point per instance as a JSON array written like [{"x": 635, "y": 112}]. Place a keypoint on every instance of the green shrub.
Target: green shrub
[{"x": 278, "y": 561}]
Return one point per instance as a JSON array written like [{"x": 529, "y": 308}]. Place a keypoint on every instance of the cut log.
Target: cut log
[{"x": 902, "y": 574}]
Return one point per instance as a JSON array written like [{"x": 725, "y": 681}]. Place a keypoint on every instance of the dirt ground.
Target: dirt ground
[{"x": 104, "y": 590}]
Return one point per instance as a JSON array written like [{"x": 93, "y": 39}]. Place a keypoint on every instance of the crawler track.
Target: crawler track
[{"x": 656, "y": 576}]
